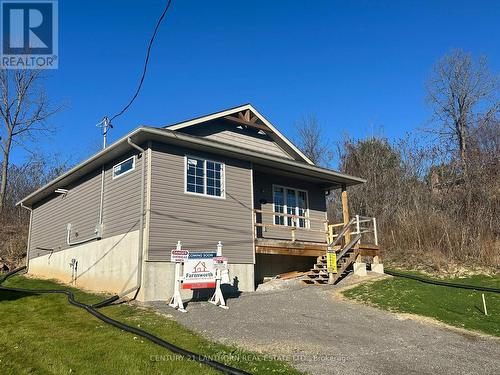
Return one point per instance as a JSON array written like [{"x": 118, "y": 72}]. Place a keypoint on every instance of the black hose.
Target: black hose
[
  {"x": 91, "y": 309},
  {"x": 106, "y": 302},
  {"x": 443, "y": 283},
  {"x": 13, "y": 272}
]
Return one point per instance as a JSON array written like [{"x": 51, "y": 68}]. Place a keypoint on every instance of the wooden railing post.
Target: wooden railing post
[
  {"x": 358, "y": 227},
  {"x": 345, "y": 212}
]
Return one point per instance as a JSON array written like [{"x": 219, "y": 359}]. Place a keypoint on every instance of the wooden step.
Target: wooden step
[{"x": 319, "y": 275}]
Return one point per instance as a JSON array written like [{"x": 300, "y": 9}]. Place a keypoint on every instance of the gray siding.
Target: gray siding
[
  {"x": 229, "y": 133},
  {"x": 263, "y": 200},
  {"x": 80, "y": 207},
  {"x": 199, "y": 221}
]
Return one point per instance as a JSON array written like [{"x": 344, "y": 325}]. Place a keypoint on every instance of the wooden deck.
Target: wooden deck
[
  {"x": 311, "y": 249},
  {"x": 279, "y": 247}
]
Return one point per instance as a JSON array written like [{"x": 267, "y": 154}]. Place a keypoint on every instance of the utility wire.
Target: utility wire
[{"x": 145, "y": 62}]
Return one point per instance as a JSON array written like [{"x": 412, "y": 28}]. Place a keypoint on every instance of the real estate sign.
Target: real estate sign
[
  {"x": 331, "y": 261},
  {"x": 179, "y": 255},
  {"x": 220, "y": 263},
  {"x": 199, "y": 270}
]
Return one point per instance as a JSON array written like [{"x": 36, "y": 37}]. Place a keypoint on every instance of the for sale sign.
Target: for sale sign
[
  {"x": 199, "y": 270},
  {"x": 220, "y": 263},
  {"x": 331, "y": 261},
  {"x": 178, "y": 256}
]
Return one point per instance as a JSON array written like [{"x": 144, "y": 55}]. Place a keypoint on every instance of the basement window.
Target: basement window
[
  {"x": 204, "y": 177},
  {"x": 124, "y": 167}
]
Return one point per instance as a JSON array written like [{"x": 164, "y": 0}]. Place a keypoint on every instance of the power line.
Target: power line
[{"x": 158, "y": 23}]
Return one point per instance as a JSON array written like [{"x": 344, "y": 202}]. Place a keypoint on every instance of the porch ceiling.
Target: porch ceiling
[{"x": 321, "y": 181}]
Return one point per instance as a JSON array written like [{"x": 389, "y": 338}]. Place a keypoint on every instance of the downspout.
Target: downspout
[
  {"x": 29, "y": 236},
  {"x": 141, "y": 221}
]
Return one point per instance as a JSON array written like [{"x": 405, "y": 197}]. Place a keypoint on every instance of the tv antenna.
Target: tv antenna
[{"x": 105, "y": 125}]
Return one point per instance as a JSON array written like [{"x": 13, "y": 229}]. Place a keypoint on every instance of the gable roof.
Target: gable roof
[
  {"x": 143, "y": 134},
  {"x": 254, "y": 119}
]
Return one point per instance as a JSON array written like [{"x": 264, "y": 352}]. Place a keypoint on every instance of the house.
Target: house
[
  {"x": 230, "y": 176},
  {"x": 200, "y": 267}
]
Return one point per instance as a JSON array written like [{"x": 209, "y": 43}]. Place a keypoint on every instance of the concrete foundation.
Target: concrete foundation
[
  {"x": 108, "y": 265},
  {"x": 359, "y": 269},
  {"x": 377, "y": 267}
]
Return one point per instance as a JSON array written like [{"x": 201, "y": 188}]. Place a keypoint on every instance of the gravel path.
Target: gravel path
[{"x": 321, "y": 334}]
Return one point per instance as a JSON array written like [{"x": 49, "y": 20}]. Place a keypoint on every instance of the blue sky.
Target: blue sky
[{"x": 359, "y": 66}]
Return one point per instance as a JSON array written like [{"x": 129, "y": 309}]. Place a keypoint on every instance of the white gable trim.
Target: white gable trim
[{"x": 231, "y": 111}]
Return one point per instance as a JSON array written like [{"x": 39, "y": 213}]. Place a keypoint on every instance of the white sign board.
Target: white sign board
[
  {"x": 199, "y": 271},
  {"x": 220, "y": 263},
  {"x": 177, "y": 256}
]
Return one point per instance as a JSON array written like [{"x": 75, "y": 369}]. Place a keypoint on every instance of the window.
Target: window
[
  {"x": 204, "y": 177},
  {"x": 124, "y": 167},
  {"x": 292, "y": 202}
]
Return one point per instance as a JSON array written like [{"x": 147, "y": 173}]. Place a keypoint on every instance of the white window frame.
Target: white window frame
[
  {"x": 204, "y": 194},
  {"x": 285, "y": 207},
  {"x": 124, "y": 173}
]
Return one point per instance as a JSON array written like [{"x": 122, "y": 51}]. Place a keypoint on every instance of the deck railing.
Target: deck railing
[
  {"x": 292, "y": 229},
  {"x": 361, "y": 225}
]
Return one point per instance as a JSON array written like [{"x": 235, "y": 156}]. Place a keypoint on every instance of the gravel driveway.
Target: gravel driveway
[{"x": 321, "y": 334}]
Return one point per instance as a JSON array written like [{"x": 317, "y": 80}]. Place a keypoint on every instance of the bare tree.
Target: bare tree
[
  {"x": 24, "y": 109},
  {"x": 461, "y": 93},
  {"x": 24, "y": 178},
  {"x": 313, "y": 142}
]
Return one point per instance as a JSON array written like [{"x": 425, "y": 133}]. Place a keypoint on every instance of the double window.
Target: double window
[
  {"x": 124, "y": 167},
  {"x": 204, "y": 177},
  {"x": 291, "y": 202}
]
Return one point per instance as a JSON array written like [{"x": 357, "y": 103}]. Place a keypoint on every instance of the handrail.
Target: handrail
[
  {"x": 290, "y": 228},
  {"x": 342, "y": 233},
  {"x": 360, "y": 229},
  {"x": 289, "y": 215},
  {"x": 286, "y": 227},
  {"x": 348, "y": 246}
]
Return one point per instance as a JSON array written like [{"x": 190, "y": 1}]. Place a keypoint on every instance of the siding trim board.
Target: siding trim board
[{"x": 252, "y": 212}]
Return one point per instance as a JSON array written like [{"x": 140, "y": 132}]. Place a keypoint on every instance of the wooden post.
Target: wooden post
[{"x": 345, "y": 212}]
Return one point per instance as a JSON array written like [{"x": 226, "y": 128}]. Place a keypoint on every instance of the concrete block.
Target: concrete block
[
  {"x": 359, "y": 269},
  {"x": 378, "y": 267}
]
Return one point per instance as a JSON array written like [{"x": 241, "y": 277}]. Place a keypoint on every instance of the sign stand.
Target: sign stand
[
  {"x": 199, "y": 270},
  {"x": 176, "y": 301},
  {"x": 218, "y": 298}
]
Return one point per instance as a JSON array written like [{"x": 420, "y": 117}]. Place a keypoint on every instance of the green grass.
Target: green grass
[
  {"x": 43, "y": 334},
  {"x": 458, "y": 307}
]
